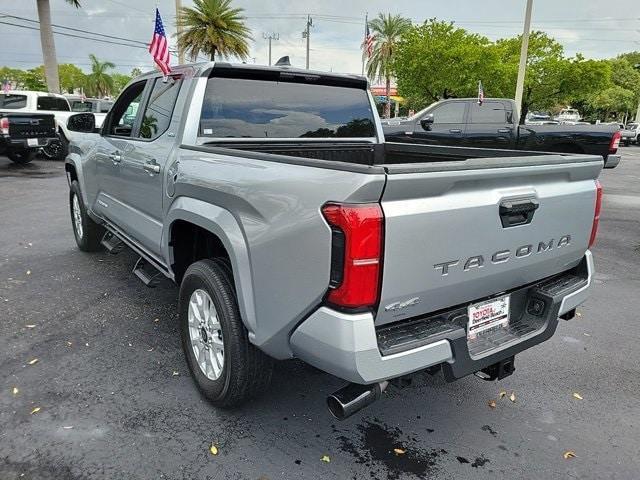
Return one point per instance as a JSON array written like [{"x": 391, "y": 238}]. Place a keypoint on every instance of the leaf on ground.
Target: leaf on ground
[
  {"x": 586, "y": 334},
  {"x": 503, "y": 394},
  {"x": 15, "y": 390},
  {"x": 399, "y": 451},
  {"x": 512, "y": 397},
  {"x": 577, "y": 395},
  {"x": 33, "y": 362},
  {"x": 35, "y": 410},
  {"x": 156, "y": 320},
  {"x": 213, "y": 449},
  {"x": 569, "y": 454},
  {"x": 175, "y": 374},
  {"x": 150, "y": 349},
  {"x": 68, "y": 427},
  {"x": 492, "y": 404},
  {"x": 28, "y": 272},
  {"x": 69, "y": 344},
  {"x": 326, "y": 458},
  {"x": 578, "y": 314},
  {"x": 30, "y": 326}
]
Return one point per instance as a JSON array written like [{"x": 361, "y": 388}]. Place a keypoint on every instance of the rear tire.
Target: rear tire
[
  {"x": 21, "y": 156},
  {"x": 88, "y": 234},
  {"x": 226, "y": 367},
  {"x": 58, "y": 149}
]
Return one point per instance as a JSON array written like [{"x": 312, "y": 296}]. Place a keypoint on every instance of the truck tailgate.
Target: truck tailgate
[
  {"x": 457, "y": 232},
  {"x": 30, "y": 125}
]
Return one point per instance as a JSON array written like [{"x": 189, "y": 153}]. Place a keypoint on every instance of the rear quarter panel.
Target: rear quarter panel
[{"x": 590, "y": 139}]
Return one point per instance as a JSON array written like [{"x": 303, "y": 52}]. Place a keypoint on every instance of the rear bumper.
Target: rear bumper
[
  {"x": 22, "y": 143},
  {"x": 612, "y": 161},
  {"x": 350, "y": 347}
]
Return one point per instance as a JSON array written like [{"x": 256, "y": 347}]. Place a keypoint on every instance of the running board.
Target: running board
[
  {"x": 111, "y": 243},
  {"x": 146, "y": 272}
]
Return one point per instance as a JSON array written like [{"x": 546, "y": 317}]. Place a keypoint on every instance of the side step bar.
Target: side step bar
[
  {"x": 146, "y": 272},
  {"x": 111, "y": 243}
]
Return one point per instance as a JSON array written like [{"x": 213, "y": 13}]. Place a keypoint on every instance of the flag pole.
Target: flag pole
[
  {"x": 366, "y": 21},
  {"x": 522, "y": 67}
]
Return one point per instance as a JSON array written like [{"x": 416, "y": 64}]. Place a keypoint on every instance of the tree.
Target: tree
[
  {"x": 614, "y": 100},
  {"x": 71, "y": 77},
  {"x": 99, "y": 82},
  {"x": 438, "y": 60},
  {"x": 34, "y": 79},
  {"x": 136, "y": 72},
  {"x": 551, "y": 78},
  {"x": 119, "y": 82},
  {"x": 48, "y": 44},
  {"x": 213, "y": 26},
  {"x": 387, "y": 31}
]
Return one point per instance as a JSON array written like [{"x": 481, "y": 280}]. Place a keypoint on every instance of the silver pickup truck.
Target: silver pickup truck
[{"x": 269, "y": 195}]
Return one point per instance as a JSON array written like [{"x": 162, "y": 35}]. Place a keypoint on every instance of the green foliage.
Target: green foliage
[
  {"x": 99, "y": 83},
  {"x": 438, "y": 60},
  {"x": 71, "y": 77},
  {"x": 387, "y": 31},
  {"x": 136, "y": 72},
  {"x": 119, "y": 82},
  {"x": 213, "y": 27}
]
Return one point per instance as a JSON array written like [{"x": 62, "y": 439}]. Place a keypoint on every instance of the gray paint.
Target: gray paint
[{"x": 266, "y": 212}]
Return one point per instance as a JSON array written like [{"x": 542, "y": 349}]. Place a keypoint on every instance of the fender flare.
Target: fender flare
[
  {"x": 75, "y": 161},
  {"x": 224, "y": 225}
]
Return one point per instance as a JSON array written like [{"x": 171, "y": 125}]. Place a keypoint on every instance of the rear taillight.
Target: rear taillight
[
  {"x": 615, "y": 142},
  {"x": 4, "y": 126},
  {"x": 356, "y": 260},
  {"x": 596, "y": 214}
]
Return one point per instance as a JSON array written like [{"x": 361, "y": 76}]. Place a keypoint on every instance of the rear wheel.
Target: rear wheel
[
  {"x": 57, "y": 149},
  {"x": 88, "y": 233},
  {"x": 226, "y": 367},
  {"x": 21, "y": 155}
]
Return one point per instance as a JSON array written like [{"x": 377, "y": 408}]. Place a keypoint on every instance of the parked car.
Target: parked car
[
  {"x": 630, "y": 133},
  {"x": 79, "y": 103},
  {"x": 568, "y": 115},
  {"x": 269, "y": 195},
  {"x": 23, "y": 134},
  {"x": 463, "y": 122}
]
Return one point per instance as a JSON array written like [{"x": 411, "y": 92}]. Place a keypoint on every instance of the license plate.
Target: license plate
[
  {"x": 488, "y": 316},
  {"x": 32, "y": 142}
]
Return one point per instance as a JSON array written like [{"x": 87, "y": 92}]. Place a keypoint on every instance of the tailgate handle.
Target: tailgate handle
[{"x": 517, "y": 212}]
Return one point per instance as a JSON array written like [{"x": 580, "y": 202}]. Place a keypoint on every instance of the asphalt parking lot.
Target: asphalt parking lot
[{"x": 110, "y": 395}]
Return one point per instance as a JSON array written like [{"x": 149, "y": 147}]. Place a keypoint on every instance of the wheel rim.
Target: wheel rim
[
  {"x": 77, "y": 216},
  {"x": 205, "y": 334}
]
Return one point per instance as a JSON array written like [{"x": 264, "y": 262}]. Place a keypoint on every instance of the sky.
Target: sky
[{"x": 590, "y": 27}]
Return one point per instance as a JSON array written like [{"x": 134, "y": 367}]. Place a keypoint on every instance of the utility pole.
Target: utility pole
[
  {"x": 522, "y": 68},
  {"x": 307, "y": 34},
  {"x": 179, "y": 30},
  {"x": 270, "y": 36}
]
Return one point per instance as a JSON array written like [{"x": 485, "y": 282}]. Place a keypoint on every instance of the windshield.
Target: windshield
[
  {"x": 80, "y": 106},
  {"x": 247, "y": 108}
]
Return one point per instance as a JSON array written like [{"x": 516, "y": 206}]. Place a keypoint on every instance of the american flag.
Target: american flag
[
  {"x": 480, "y": 93},
  {"x": 6, "y": 86},
  {"x": 159, "y": 47},
  {"x": 367, "y": 44}
]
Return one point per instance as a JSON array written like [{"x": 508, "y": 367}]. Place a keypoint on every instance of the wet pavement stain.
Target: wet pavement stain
[
  {"x": 479, "y": 462},
  {"x": 487, "y": 428},
  {"x": 375, "y": 449}
]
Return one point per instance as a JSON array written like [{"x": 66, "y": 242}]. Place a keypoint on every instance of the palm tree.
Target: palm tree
[
  {"x": 48, "y": 45},
  {"x": 386, "y": 31},
  {"x": 213, "y": 26},
  {"x": 99, "y": 82}
]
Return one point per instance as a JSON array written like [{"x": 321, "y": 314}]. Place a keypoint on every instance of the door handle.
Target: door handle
[
  {"x": 455, "y": 130},
  {"x": 115, "y": 157},
  {"x": 504, "y": 130},
  {"x": 151, "y": 167}
]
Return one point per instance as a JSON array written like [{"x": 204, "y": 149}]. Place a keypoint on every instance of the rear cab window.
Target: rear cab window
[
  {"x": 9, "y": 101},
  {"x": 55, "y": 104},
  {"x": 284, "y": 108}
]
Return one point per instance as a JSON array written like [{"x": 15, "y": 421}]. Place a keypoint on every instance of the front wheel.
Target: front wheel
[
  {"x": 88, "y": 233},
  {"x": 21, "y": 156},
  {"x": 226, "y": 367}
]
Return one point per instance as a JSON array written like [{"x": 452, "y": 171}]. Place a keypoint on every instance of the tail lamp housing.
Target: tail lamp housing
[
  {"x": 615, "y": 142},
  {"x": 4, "y": 126},
  {"x": 596, "y": 214},
  {"x": 356, "y": 259}
]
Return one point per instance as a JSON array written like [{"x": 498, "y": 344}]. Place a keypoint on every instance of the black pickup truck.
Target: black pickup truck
[
  {"x": 493, "y": 124},
  {"x": 23, "y": 134}
]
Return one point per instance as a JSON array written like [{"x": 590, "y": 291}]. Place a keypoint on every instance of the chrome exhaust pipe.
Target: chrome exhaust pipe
[{"x": 353, "y": 398}]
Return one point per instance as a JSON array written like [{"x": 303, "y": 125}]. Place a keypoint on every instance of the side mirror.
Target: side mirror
[
  {"x": 427, "y": 121},
  {"x": 82, "y": 122}
]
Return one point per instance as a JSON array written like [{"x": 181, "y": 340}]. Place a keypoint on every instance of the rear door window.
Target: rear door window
[
  {"x": 13, "y": 102},
  {"x": 55, "y": 104},
  {"x": 248, "y": 108},
  {"x": 488, "y": 112}
]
